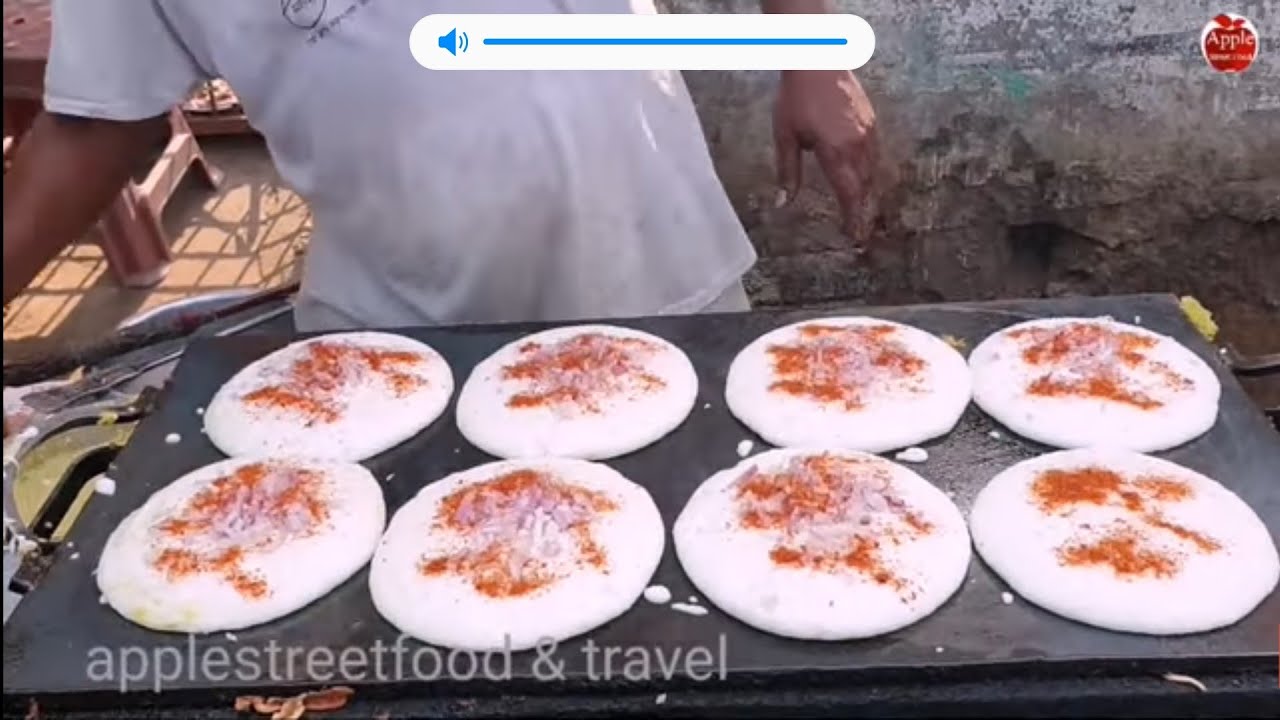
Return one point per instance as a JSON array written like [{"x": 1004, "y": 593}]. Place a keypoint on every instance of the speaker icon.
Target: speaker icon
[{"x": 453, "y": 41}]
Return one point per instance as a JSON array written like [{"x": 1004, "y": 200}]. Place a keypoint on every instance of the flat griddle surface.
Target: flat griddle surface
[{"x": 60, "y": 628}]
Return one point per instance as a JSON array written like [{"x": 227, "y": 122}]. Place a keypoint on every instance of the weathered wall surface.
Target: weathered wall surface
[{"x": 1030, "y": 147}]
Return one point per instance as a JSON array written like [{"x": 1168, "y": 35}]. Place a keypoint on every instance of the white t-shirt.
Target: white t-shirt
[{"x": 439, "y": 197}]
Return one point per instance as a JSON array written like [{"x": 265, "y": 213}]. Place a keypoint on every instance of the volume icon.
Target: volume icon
[{"x": 454, "y": 41}]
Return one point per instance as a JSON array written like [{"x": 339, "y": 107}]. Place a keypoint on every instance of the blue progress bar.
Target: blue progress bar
[{"x": 666, "y": 41}]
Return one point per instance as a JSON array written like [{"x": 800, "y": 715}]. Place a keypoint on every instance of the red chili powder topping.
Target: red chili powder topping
[
  {"x": 1122, "y": 551},
  {"x": 1126, "y": 550},
  {"x": 523, "y": 531},
  {"x": 832, "y": 514},
  {"x": 316, "y": 385},
  {"x": 581, "y": 372},
  {"x": 838, "y": 365},
  {"x": 255, "y": 509},
  {"x": 1090, "y": 360}
]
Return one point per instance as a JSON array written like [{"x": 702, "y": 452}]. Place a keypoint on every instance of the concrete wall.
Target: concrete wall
[{"x": 1030, "y": 148}]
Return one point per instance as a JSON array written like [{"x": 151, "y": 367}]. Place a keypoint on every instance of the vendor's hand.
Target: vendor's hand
[{"x": 827, "y": 112}]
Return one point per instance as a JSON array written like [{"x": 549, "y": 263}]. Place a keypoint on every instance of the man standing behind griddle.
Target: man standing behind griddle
[{"x": 439, "y": 197}]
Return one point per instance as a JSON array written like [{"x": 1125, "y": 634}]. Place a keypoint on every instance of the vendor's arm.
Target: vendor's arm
[
  {"x": 65, "y": 174},
  {"x": 115, "y": 69},
  {"x": 827, "y": 112}
]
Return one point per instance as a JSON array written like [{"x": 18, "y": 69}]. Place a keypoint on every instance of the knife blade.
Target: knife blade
[{"x": 134, "y": 364}]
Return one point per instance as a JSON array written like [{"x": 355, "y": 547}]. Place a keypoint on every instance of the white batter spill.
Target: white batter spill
[
  {"x": 241, "y": 542},
  {"x": 1077, "y": 382},
  {"x": 347, "y": 396},
  {"x": 822, "y": 545},
  {"x": 689, "y": 609},
  {"x": 853, "y": 383},
  {"x": 657, "y": 594},
  {"x": 512, "y": 552},
  {"x": 104, "y": 485},
  {"x": 172, "y": 439},
  {"x": 744, "y": 448},
  {"x": 1125, "y": 542},
  {"x": 591, "y": 391},
  {"x": 912, "y": 455}
]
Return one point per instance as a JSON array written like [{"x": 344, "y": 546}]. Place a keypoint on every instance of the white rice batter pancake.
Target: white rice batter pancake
[
  {"x": 514, "y": 552},
  {"x": 347, "y": 396},
  {"x": 589, "y": 391},
  {"x": 241, "y": 542},
  {"x": 1084, "y": 382},
  {"x": 822, "y": 545},
  {"x": 1125, "y": 542},
  {"x": 857, "y": 383}
]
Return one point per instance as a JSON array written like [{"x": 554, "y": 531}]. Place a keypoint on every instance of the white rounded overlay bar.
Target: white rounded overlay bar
[{"x": 642, "y": 42}]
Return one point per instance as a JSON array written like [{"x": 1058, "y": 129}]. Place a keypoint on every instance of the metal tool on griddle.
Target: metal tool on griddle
[
  {"x": 73, "y": 415},
  {"x": 162, "y": 348},
  {"x": 1251, "y": 364},
  {"x": 1255, "y": 366}
]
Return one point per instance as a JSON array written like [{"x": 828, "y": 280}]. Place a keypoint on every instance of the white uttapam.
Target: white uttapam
[
  {"x": 517, "y": 552},
  {"x": 591, "y": 392},
  {"x": 1084, "y": 382},
  {"x": 346, "y": 396},
  {"x": 856, "y": 383},
  {"x": 241, "y": 542},
  {"x": 1124, "y": 541},
  {"x": 816, "y": 545}
]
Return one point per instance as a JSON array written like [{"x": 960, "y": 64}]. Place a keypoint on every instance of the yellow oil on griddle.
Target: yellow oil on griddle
[{"x": 61, "y": 459}]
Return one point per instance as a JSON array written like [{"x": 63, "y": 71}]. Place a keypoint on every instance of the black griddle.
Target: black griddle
[{"x": 975, "y": 651}]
